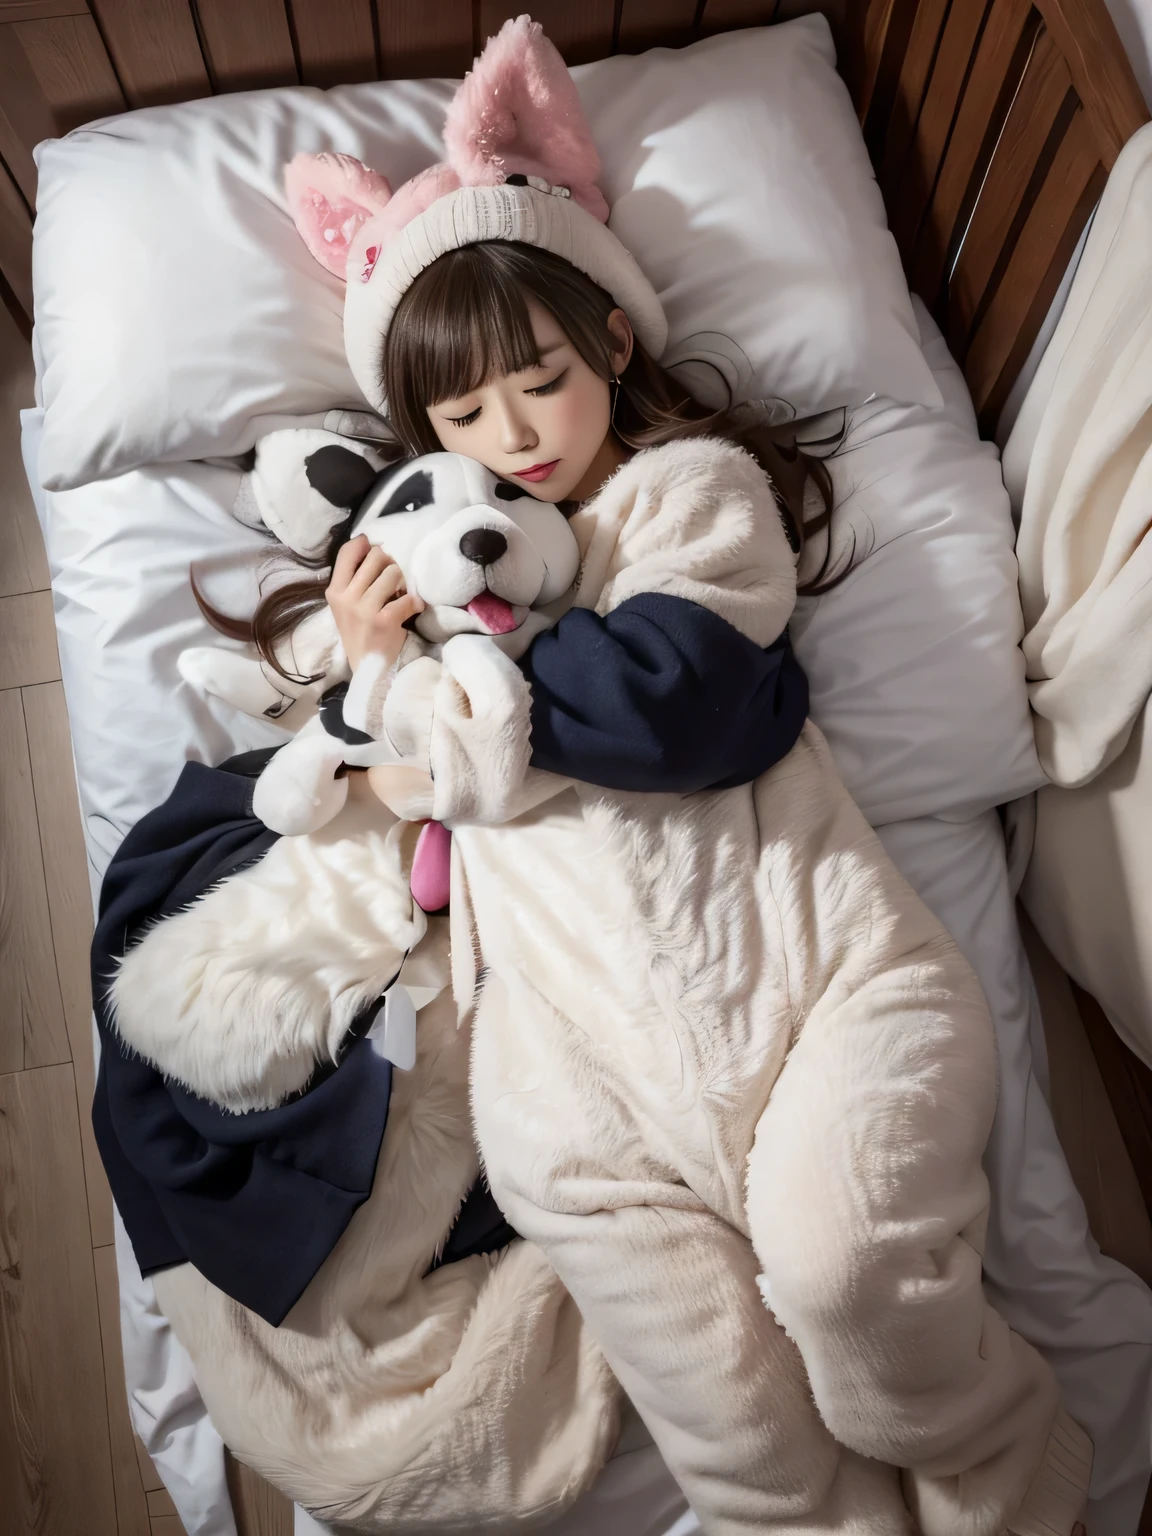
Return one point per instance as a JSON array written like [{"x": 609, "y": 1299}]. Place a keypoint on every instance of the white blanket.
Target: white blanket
[{"x": 1085, "y": 543}]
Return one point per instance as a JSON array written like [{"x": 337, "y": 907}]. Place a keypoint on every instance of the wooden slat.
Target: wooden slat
[
  {"x": 155, "y": 50},
  {"x": 581, "y": 32},
  {"x": 27, "y": 640},
  {"x": 1086, "y": 36},
  {"x": 915, "y": 67},
  {"x": 53, "y": 1414},
  {"x": 871, "y": 19},
  {"x": 23, "y": 562},
  {"x": 1042, "y": 105},
  {"x": 726, "y": 15},
  {"x": 891, "y": 46},
  {"x": 72, "y": 68},
  {"x": 1029, "y": 283},
  {"x": 247, "y": 44},
  {"x": 160, "y": 1503},
  {"x": 167, "y": 1525},
  {"x": 32, "y": 1027},
  {"x": 996, "y": 72},
  {"x": 70, "y": 908},
  {"x": 419, "y": 42},
  {"x": 335, "y": 41},
  {"x": 654, "y": 23},
  {"x": 259, "y": 1508},
  {"x": 149, "y": 1476},
  {"x": 132, "y": 1508},
  {"x": 15, "y": 246},
  {"x": 25, "y": 117},
  {"x": 40, "y": 10},
  {"x": 941, "y": 97},
  {"x": 1129, "y": 1085}
]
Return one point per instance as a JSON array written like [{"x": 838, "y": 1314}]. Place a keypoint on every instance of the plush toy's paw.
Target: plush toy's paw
[
  {"x": 299, "y": 790},
  {"x": 239, "y": 680}
]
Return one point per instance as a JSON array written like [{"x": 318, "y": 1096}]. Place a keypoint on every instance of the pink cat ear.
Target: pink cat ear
[
  {"x": 518, "y": 112},
  {"x": 330, "y": 196}
]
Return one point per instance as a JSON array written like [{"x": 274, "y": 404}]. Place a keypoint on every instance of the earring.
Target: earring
[{"x": 615, "y": 397}]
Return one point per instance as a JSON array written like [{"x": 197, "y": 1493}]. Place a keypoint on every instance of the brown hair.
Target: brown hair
[{"x": 465, "y": 320}]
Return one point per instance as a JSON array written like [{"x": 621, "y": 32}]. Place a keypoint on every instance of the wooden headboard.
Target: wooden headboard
[{"x": 992, "y": 124}]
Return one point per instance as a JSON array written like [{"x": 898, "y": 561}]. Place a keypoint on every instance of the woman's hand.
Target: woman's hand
[{"x": 369, "y": 602}]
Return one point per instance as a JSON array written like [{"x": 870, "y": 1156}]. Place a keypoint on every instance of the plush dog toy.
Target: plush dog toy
[{"x": 486, "y": 557}]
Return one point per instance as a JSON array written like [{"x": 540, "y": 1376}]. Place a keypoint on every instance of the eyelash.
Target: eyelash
[{"x": 541, "y": 389}]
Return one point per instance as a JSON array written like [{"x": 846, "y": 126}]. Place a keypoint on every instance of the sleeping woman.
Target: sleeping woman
[{"x": 728, "y": 1072}]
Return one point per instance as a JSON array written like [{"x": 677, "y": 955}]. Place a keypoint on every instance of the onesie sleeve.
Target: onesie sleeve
[{"x": 661, "y": 694}]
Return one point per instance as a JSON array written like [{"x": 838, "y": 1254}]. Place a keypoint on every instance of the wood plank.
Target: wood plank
[
  {"x": 40, "y": 10},
  {"x": 1086, "y": 1121},
  {"x": 155, "y": 50},
  {"x": 72, "y": 68},
  {"x": 1086, "y": 36},
  {"x": 25, "y": 117},
  {"x": 32, "y": 1028},
  {"x": 52, "y": 1362},
  {"x": 335, "y": 41},
  {"x": 941, "y": 98},
  {"x": 872, "y": 19},
  {"x": 424, "y": 41},
  {"x": 23, "y": 563},
  {"x": 727, "y": 15},
  {"x": 27, "y": 640},
  {"x": 1005, "y": 46},
  {"x": 160, "y": 1503},
  {"x": 70, "y": 906},
  {"x": 654, "y": 24},
  {"x": 915, "y": 67},
  {"x": 167, "y": 1525},
  {"x": 581, "y": 32},
  {"x": 15, "y": 243},
  {"x": 1129, "y": 1085},
  {"x": 149, "y": 1476},
  {"x": 132, "y": 1506},
  {"x": 1043, "y": 104},
  {"x": 1025, "y": 291},
  {"x": 247, "y": 44},
  {"x": 260, "y": 1509}
]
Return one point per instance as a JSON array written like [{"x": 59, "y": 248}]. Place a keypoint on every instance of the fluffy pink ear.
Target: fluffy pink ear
[
  {"x": 330, "y": 196},
  {"x": 518, "y": 111}
]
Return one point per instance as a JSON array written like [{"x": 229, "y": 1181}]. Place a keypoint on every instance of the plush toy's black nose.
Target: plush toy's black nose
[{"x": 483, "y": 545}]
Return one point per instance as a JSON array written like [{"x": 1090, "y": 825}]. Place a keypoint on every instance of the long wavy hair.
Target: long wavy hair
[{"x": 466, "y": 320}]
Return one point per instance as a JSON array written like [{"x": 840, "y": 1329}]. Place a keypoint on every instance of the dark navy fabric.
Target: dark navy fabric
[
  {"x": 661, "y": 695},
  {"x": 256, "y": 1201}
]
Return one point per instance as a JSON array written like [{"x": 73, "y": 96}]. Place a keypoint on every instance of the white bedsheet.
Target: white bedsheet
[{"x": 118, "y": 552}]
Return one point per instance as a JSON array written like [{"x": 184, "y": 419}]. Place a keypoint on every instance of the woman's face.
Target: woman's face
[{"x": 547, "y": 427}]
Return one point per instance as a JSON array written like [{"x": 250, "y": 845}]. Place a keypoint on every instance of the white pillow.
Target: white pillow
[
  {"x": 179, "y": 316},
  {"x": 914, "y": 662}
]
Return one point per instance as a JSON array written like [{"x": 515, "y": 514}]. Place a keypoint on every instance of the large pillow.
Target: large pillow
[
  {"x": 179, "y": 316},
  {"x": 914, "y": 661}
]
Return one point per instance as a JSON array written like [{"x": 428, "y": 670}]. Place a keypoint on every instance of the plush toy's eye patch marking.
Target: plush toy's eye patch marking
[
  {"x": 341, "y": 476},
  {"x": 410, "y": 495},
  {"x": 506, "y": 491}
]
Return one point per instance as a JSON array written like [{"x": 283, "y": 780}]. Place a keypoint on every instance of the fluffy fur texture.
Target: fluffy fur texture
[
  {"x": 518, "y": 111},
  {"x": 725, "y": 1057},
  {"x": 394, "y": 1400}
]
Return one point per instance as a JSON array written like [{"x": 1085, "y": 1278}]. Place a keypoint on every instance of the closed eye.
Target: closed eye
[
  {"x": 550, "y": 387},
  {"x": 464, "y": 421}
]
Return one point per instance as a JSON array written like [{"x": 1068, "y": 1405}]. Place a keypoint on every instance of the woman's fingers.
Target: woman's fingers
[
  {"x": 387, "y": 584},
  {"x": 344, "y": 567},
  {"x": 406, "y": 607},
  {"x": 373, "y": 563}
]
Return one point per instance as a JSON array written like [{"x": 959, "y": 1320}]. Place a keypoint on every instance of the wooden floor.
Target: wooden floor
[{"x": 69, "y": 1463}]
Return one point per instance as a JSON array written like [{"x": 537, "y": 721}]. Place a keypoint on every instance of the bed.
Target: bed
[{"x": 991, "y": 128}]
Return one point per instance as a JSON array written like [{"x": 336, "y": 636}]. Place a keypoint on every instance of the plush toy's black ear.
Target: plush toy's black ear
[{"x": 341, "y": 476}]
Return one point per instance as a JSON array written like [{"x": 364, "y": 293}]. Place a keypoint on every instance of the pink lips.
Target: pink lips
[
  {"x": 494, "y": 613},
  {"x": 537, "y": 472}
]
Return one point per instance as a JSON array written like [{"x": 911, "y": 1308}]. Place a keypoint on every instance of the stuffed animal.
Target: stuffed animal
[{"x": 483, "y": 554}]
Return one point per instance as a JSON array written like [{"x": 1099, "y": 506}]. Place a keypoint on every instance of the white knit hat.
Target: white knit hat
[{"x": 520, "y": 166}]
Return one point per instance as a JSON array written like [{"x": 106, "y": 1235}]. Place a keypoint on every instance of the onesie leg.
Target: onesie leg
[
  {"x": 866, "y": 1205},
  {"x": 667, "y": 1289}
]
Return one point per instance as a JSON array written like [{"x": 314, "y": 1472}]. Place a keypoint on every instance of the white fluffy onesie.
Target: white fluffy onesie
[{"x": 734, "y": 1080}]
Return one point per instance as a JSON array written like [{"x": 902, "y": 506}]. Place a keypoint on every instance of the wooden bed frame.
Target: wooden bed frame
[{"x": 991, "y": 123}]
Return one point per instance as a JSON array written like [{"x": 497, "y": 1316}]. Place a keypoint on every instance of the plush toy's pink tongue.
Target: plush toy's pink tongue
[{"x": 493, "y": 612}]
